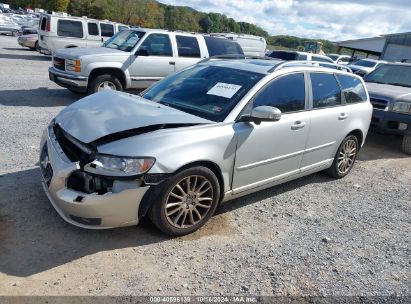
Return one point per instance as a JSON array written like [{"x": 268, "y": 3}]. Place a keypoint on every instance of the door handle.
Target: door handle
[
  {"x": 298, "y": 125},
  {"x": 343, "y": 116},
  {"x": 172, "y": 63}
]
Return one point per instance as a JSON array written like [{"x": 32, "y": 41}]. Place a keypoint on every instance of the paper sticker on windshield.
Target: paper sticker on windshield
[{"x": 225, "y": 90}]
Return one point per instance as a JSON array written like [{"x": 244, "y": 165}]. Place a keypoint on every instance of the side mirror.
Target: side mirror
[
  {"x": 142, "y": 52},
  {"x": 263, "y": 113}
]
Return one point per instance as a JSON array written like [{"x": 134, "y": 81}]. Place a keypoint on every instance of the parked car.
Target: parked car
[
  {"x": 251, "y": 45},
  {"x": 59, "y": 32},
  {"x": 365, "y": 66},
  {"x": 8, "y": 26},
  {"x": 208, "y": 134},
  {"x": 340, "y": 59},
  {"x": 29, "y": 39},
  {"x": 294, "y": 55},
  {"x": 390, "y": 94},
  {"x": 134, "y": 58}
]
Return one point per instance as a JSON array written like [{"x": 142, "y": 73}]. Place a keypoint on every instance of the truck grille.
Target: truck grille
[
  {"x": 379, "y": 103},
  {"x": 71, "y": 147},
  {"x": 59, "y": 63}
]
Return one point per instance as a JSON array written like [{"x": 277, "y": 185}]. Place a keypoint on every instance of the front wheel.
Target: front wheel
[
  {"x": 105, "y": 82},
  {"x": 406, "y": 144},
  {"x": 344, "y": 158},
  {"x": 186, "y": 201}
]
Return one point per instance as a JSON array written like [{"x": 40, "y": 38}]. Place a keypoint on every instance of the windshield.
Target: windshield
[
  {"x": 124, "y": 40},
  {"x": 210, "y": 92},
  {"x": 365, "y": 63},
  {"x": 399, "y": 75}
]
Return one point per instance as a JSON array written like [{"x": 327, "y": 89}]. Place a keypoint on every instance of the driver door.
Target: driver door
[
  {"x": 272, "y": 151},
  {"x": 153, "y": 61}
]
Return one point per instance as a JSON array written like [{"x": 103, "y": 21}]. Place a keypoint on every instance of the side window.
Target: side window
[
  {"x": 286, "y": 93},
  {"x": 156, "y": 45},
  {"x": 43, "y": 23},
  {"x": 92, "y": 29},
  {"x": 107, "y": 30},
  {"x": 326, "y": 91},
  {"x": 69, "y": 28},
  {"x": 188, "y": 47},
  {"x": 122, "y": 27},
  {"x": 352, "y": 88},
  {"x": 222, "y": 46}
]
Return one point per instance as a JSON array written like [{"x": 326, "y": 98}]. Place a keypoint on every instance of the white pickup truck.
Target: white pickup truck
[{"x": 134, "y": 58}]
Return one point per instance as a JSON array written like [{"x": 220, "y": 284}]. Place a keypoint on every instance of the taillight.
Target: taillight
[{"x": 48, "y": 27}]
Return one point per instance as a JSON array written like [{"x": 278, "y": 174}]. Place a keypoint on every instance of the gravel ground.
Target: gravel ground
[{"x": 314, "y": 236}]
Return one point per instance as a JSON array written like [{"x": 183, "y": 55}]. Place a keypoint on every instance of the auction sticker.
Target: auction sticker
[{"x": 225, "y": 90}]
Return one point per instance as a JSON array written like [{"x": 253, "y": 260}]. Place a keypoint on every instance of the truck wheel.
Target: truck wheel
[
  {"x": 186, "y": 201},
  {"x": 105, "y": 82},
  {"x": 406, "y": 144},
  {"x": 344, "y": 158}
]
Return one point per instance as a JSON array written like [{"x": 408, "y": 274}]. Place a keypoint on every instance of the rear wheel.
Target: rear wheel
[
  {"x": 186, "y": 202},
  {"x": 105, "y": 82},
  {"x": 344, "y": 158},
  {"x": 406, "y": 144}
]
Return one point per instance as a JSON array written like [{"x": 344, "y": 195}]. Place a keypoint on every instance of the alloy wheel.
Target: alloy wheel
[
  {"x": 106, "y": 85},
  {"x": 346, "y": 156},
  {"x": 189, "y": 201}
]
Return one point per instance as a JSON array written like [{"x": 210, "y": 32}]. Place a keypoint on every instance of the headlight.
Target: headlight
[
  {"x": 401, "y": 106},
  {"x": 73, "y": 65},
  {"x": 118, "y": 166}
]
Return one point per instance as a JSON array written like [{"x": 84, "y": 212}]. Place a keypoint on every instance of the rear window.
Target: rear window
[
  {"x": 43, "y": 23},
  {"x": 222, "y": 46},
  {"x": 352, "y": 88},
  {"x": 285, "y": 55},
  {"x": 69, "y": 28},
  {"x": 188, "y": 47},
  {"x": 29, "y": 31},
  {"x": 92, "y": 29},
  {"x": 107, "y": 30}
]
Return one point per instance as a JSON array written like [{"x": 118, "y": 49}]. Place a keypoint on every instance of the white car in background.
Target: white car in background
[
  {"x": 251, "y": 45},
  {"x": 365, "y": 66},
  {"x": 340, "y": 59},
  {"x": 301, "y": 56}
]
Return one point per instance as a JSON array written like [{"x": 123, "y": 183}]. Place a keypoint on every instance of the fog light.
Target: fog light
[{"x": 402, "y": 126}]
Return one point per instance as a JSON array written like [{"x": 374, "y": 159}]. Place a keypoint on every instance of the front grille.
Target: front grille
[
  {"x": 67, "y": 144},
  {"x": 379, "y": 103},
  {"x": 59, "y": 63},
  {"x": 45, "y": 167}
]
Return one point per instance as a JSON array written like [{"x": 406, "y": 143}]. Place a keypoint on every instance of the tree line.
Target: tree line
[{"x": 152, "y": 14}]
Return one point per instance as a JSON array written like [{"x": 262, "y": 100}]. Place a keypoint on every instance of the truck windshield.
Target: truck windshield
[
  {"x": 210, "y": 92},
  {"x": 399, "y": 75},
  {"x": 124, "y": 40}
]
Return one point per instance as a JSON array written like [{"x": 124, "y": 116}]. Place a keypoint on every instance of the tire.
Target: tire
[
  {"x": 111, "y": 81},
  {"x": 348, "y": 158},
  {"x": 181, "y": 218},
  {"x": 37, "y": 47},
  {"x": 406, "y": 144},
  {"x": 15, "y": 33}
]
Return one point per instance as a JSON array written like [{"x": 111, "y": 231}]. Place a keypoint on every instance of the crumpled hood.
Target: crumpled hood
[
  {"x": 78, "y": 52},
  {"x": 109, "y": 112},
  {"x": 388, "y": 91}
]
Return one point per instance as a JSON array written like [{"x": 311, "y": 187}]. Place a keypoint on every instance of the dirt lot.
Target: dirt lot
[{"x": 312, "y": 236}]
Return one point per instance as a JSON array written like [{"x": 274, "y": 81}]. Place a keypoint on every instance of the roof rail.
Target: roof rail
[
  {"x": 311, "y": 63},
  {"x": 235, "y": 56}
]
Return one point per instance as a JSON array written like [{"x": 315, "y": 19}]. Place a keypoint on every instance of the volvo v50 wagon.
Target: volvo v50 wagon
[{"x": 208, "y": 134}]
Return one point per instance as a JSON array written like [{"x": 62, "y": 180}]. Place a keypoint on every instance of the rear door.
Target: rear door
[
  {"x": 272, "y": 151},
  {"x": 154, "y": 60},
  {"x": 329, "y": 120},
  {"x": 188, "y": 51}
]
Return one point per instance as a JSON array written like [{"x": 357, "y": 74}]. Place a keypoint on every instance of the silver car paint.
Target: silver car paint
[{"x": 250, "y": 157}]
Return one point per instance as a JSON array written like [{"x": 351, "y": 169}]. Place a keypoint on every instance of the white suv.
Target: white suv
[{"x": 60, "y": 32}]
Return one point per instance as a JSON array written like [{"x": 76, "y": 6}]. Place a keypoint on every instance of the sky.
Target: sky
[{"x": 335, "y": 20}]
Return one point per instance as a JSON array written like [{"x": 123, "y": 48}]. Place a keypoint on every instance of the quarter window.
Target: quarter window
[
  {"x": 352, "y": 88},
  {"x": 326, "y": 91},
  {"x": 92, "y": 29},
  {"x": 107, "y": 30},
  {"x": 156, "y": 45},
  {"x": 188, "y": 47},
  {"x": 69, "y": 28},
  {"x": 286, "y": 93}
]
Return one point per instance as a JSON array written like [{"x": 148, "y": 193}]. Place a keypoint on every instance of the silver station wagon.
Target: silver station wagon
[{"x": 208, "y": 134}]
